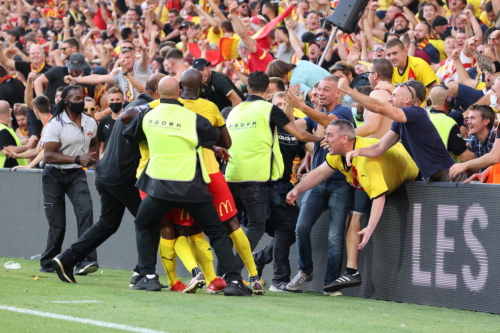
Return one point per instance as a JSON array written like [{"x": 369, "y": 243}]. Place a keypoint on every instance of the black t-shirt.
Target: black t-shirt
[
  {"x": 104, "y": 129},
  {"x": 422, "y": 141},
  {"x": 119, "y": 164},
  {"x": 218, "y": 89},
  {"x": 56, "y": 75},
  {"x": 290, "y": 148},
  {"x": 6, "y": 139},
  {"x": 12, "y": 91},
  {"x": 25, "y": 69},
  {"x": 167, "y": 29}
]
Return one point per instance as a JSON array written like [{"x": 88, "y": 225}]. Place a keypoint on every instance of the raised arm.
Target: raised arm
[
  {"x": 317, "y": 116},
  {"x": 6, "y": 62},
  {"x": 39, "y": 83},
  {"x": 372, "y": 104},
  {"x": 377, "y": 149},
  {"x": 240, "y": 29}
]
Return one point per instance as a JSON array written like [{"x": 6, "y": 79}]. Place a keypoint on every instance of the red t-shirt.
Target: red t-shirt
[
  {"x": 98, "y": 20},
  {"x": 259, "y": 60}
]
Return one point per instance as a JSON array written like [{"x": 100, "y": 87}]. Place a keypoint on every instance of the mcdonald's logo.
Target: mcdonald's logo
[
  {"x": 225, "y": 205},
  {"x": 188, "y": 217}
]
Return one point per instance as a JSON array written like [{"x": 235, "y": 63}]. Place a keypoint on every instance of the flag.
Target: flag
[
  {"x": 212, "y": 55},
  {"x": 262, "y": 36}
]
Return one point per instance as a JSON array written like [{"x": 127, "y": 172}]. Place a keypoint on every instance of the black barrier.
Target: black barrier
[{"x": 436, "y": 244}]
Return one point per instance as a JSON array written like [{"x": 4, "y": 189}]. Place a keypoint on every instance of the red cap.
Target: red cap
[{"x": 401, "y": 15}]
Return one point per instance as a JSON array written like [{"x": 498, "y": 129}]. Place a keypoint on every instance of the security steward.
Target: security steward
[
  {"x": 256, "y": 157},
  {"x": 8, "y": 138},
  {"x": 70, "y": 140},
  {"x": 441, "y": 103},
  {"x": 176, "y": 178},
  {"x": 115, "y": 182}
]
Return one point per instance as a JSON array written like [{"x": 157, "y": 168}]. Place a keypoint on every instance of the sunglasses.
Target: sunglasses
[
  {"x": 370, "y": 73},
  {"x": 321, "y": 39},
  {"x": 63, "y": 49},
  {"x": 408, "y": 87},
  {"x": 376, "y": 49},
  {"x": 90, "y": 109}
]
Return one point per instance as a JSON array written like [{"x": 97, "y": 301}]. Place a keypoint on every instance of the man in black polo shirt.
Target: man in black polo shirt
[
  {"x": 115, "y": 173},
  {"x": 217, "y": 87}
]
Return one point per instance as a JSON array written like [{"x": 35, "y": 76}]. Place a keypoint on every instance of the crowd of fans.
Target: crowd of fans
[{"x": 440, "y": 55}]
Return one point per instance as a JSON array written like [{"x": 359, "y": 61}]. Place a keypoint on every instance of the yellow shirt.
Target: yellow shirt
[
  {"x": 214, "y": 38},
  {"x": 210, "y": 111},
  {"x": 416, "y": 69},
  {"x": 376, "y": 175}
]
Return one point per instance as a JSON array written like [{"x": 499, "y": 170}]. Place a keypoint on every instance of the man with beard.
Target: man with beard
[
  {"x": 389, "y": 18},
  {"x": 407, "y": 67},
  {"x": 217, "y": 87},
  {"x": 400, "y": 26},
  {"x": 422, "y": 31}
]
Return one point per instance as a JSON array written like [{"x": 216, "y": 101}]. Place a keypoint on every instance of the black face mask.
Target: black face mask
[
  {"x": 116, "y": 107},
  {"x": 77, "y": 108}
]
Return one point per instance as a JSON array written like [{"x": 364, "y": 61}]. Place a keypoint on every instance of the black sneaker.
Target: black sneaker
[
  {"x": 86, "y": 267},
  {"x": 344, "y": 281},
  {"x": 64, "y": 270},
  {"x": 135, "y": 279},
  {"x": 148, "y": 284},
  {"x": 236, "y": 289},
  {"x": 47, "y": 270}
]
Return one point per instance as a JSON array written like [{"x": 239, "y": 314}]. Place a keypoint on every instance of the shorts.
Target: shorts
[
  {"x": 223, "y": 202},
  {"x": 360, "y": 203}
]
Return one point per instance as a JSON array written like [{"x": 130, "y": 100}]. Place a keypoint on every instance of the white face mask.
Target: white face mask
[
  {"x": 62, "y": 56},
  {"x": 354, "y": 110},
  {"x": 493, "y": 101}
]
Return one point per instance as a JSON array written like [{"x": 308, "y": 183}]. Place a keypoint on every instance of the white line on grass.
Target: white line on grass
[
  {"x": 80, "y": 320},
  {"x": 75, "y": 301}
]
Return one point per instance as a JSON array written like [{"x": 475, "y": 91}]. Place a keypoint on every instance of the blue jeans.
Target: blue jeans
[{"x": 335, "y": 195}]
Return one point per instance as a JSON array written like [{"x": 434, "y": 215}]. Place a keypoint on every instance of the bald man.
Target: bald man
[
  {"x": 175, "y": 178},
  {"x": 441, "y": 104},
  {"x": 8, "y": 138},
  {"x": 116, "y": 178}
]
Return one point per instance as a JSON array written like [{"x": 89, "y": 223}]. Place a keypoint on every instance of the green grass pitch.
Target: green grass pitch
[{"x": 113, "y": 303}]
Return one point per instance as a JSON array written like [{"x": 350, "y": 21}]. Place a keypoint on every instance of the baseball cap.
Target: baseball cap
[
  {"x": 307, "y": 37},
  {"x": 34, "y": 20},
  {"x": 419, "y": 87},
  {"x": 184, "y": 25},
  {"x": 99, "y": 70},
  {"x": 14, "y": 32},
  {"x": 76, "y": 62},
  {"x": 401, "y": 15},
  {"x": 439, "y": 21},
  {"x": 200, "y": 63}
]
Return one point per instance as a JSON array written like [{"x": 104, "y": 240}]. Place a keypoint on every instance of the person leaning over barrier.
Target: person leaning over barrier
[
  {"x": 377, "y": 176},
  {"x": 413, "y": 126}
]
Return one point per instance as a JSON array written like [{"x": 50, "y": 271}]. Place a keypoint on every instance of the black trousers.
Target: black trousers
[
  {"x": 148, "y": 238},
  {"x": 251, "y": 199},
  {"x": 280, "y": 225},
  {"x": 114, "y": 200},
  {"x": 56, "y": 184}
]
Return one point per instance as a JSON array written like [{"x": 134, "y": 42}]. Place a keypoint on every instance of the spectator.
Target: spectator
[
  {"x": 115, "y": 102},
  {"x": 481, "y": 132}
]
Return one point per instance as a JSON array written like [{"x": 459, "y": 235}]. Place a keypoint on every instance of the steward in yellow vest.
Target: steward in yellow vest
[
  {"x": 441, "y": 104},
  {"x": 175, "y": 177},
  {"x": 5, "y": 161}
]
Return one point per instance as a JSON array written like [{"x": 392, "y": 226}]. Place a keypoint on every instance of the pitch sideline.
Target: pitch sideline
[{"x": 79, "y": 320}]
